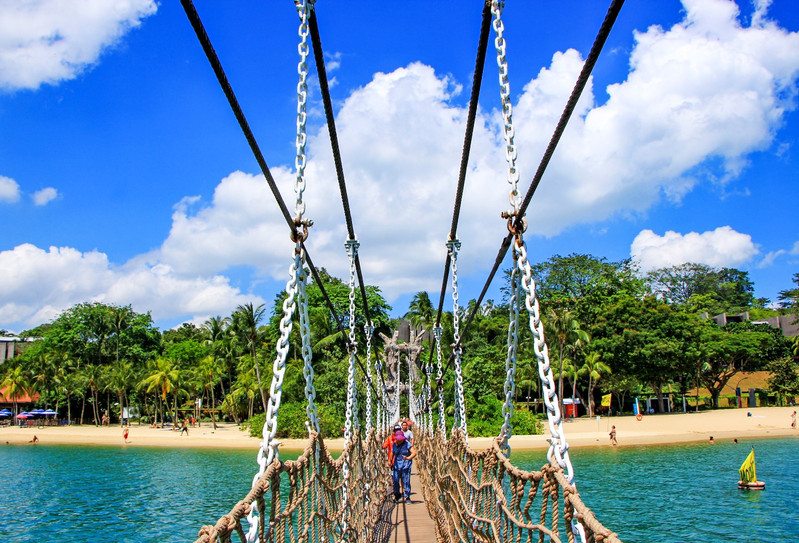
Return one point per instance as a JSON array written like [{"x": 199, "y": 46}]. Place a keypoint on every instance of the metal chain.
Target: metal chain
[
  {"x": 368, "y": 330},
  {"x": 381, "y": 403},
  {"x": 510, "y": 360},
  {"x": 307, "y": 354},
  {"x": 351, "y": 414},
  {"x": 442, "y": 421},
  {"x": 268, "y": 451},
  {"x": 558, "y": 446},
  {"x": 303, "y": 9},
  {"x": 453, "y": 246},
  {"x": 428, "y": 413},
  {"x": 507, "y": 107}
]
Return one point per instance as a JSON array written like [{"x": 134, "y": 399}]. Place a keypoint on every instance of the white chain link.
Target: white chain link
[
  {"x": 442, "y": 421},
  {"x": 368, "y": 330},
  {"x": 268, "y": 451},
  {"x": 428, "y": 397},
  {"x": 507, "y": 107},
  {"x": 382, "y": 396},
  {"x": 351, "y": 412},
  {"x": 558, "y": 447},
  {"x": 303, "y": 9},
  {"x": 510, "y": 361},
  {"x": 453, "y": 246},
  {"x": 307, "y": 354}
]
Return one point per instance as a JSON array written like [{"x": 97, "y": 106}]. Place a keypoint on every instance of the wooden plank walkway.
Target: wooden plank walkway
[{"x": 406, "y": 522}]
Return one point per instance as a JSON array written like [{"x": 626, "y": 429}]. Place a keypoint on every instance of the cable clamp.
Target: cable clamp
[
  {"x": 516, "y": 226},
  {"x": 301, "y": 227}
]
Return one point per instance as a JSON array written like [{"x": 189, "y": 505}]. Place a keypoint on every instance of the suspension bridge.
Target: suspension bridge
[{"x": 460, "y": 494}]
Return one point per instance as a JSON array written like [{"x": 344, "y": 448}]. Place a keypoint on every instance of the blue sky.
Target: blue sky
[{"x": 124, "y": 177}]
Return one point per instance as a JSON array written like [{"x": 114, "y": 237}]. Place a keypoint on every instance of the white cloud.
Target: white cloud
[
  {"x": 706, "y": 88},
  {"x": 722, "y": 247},
  {"x": 9, "y": 190},
  {"x": 38, "y": 284},
  {"x": 770, "y": 257},
  {"x": 44, "y": 196},
  {"x": 795, "y": 248},
  {"x": 48, "y": 41}
]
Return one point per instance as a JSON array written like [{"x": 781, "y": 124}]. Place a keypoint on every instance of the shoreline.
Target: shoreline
[{"x": 671, "y": 428}]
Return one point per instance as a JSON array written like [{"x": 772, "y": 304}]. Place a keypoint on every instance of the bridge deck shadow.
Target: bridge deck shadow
[{"x": 405, "y": 522}]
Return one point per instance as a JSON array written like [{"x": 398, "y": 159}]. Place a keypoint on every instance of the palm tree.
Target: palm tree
[
  {"x": 219, "y": 341},
  {"x": 72, "y": 384},
  {"x": 573, "y": 373},
  {"x": 119, "y": 377},
  {"x": 246, "y": 319},
  {"x": 16, "y": 384},
  {"x": 528, "y": 376},
  {"x": 565, "y": 328},
  {"x": 162, "y": 378},
  {"x": 120, "y": 320},
  {"x": 595, "y": 369},
  {"x": 210, "y": 370},
  {"x": 420, "y": 311},
  {"x": 94, "y": 374}
]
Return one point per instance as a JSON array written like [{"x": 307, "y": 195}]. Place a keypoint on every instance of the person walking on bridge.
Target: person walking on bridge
[{"x": 404, "y": 453}]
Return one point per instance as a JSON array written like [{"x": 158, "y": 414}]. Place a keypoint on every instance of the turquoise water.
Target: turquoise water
[
  {"x": 664, "y": 493},
  {"x": 688, "y": 492}
]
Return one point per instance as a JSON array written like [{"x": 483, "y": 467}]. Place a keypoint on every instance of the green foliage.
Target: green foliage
[
  {"x": 484, "y": 418},
  {"x": 291, "y": 422},
  {"x": 785, "y": 376},
  {"x": 186, "y": 354},
  {"x": 703, "y": 288},
  {"x": 789, "y": 298},
  {"x": 255, "y": 425}
]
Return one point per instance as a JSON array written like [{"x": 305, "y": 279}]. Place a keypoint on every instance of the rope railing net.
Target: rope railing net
[
  {"x": 481, "y": 496},
  {"x": 303, "y": 499}
]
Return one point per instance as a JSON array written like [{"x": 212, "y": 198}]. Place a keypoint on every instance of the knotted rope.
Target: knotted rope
[{"x": 465, "y": 497}]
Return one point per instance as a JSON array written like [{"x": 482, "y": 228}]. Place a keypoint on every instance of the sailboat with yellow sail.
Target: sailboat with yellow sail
[{"x": 749, "y": 474}]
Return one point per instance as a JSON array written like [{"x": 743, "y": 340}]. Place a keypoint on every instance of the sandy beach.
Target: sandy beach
[{"x": 723, "y": 425}]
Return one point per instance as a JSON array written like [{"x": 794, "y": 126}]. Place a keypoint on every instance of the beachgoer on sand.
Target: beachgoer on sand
[
  {"x": 612, "y": 435},
  {"x": 793, "y": 420},
  {"x": 404, "y": 453},
  {"x": 711, "y": 441},
  {"x": 34, "y": 440},
  {"x": 185, "y": 427},
  {"x": 125, "y": 432}
]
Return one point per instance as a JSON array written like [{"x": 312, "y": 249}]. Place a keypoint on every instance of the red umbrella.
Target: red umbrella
[{"x": 22, "y": 416}]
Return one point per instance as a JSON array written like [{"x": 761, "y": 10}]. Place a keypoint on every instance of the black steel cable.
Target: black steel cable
[
  {"x": 477, "y": 81},
  {"x": 197, "y": 25},
  {"x": 205, "y": 41},
  {"x": 319, "y": 59},
  {"x": 579, "y": 86}
]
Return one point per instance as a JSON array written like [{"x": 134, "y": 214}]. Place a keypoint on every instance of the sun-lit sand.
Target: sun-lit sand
[{"x": 723, "y": 425}]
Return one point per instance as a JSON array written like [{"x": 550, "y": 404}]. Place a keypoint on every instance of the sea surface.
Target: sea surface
[{"x": 673, "y": 493}]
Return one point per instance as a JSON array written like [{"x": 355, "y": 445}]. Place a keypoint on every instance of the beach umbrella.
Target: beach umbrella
[
  {"x": 49, "y": 413},
  {"x": 4, "y": 414},
  {"x": 6, "y": 411},
  {"x": 22, "y": 416}
]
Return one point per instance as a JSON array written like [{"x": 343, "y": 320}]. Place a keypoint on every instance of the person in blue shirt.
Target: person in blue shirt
[{"x": 404, "y": 453}]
